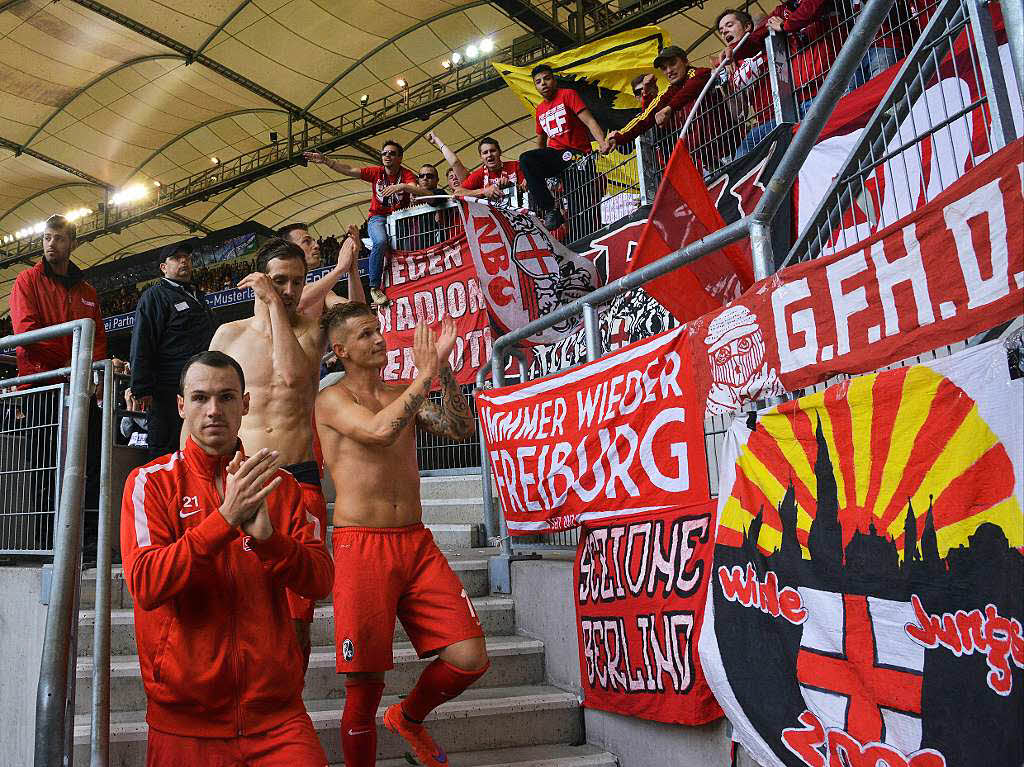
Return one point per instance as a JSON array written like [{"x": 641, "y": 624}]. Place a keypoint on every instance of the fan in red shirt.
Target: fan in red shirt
[
  {"x": 393, "y": 186},
  {"x": 564, "y": 129},
  {"x": 708, "y": 133},
  {"x": 212, "y": 540},
  {"x": 748, "y": 76},
  {"x": 495, "y": 179}
]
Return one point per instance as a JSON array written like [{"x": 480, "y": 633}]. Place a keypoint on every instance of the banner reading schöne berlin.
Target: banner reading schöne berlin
[
  {"x": 616, "y": 437},
  {"x": 640, "y": 584}
]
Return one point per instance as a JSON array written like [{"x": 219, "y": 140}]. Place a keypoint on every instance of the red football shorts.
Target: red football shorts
[
  {"x": 301, "y": 608},
  {"x": 292, "y": 743},
  {"x": 381, "y": 573}
]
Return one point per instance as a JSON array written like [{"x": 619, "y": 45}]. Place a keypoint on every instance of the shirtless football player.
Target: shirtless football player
[
  {"x": 279, "y": 349},
  {"x": 386, "y": 562}
]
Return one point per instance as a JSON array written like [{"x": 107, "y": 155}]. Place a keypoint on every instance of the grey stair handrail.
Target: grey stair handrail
[{"x": 52, "y": 714}]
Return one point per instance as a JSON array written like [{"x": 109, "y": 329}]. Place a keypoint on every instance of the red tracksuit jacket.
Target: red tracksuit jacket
[
  {"x": 39, "y": 300},
  {"x": 216, "y": 644}
]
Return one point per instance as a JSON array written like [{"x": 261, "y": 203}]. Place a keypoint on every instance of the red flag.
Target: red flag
[{"x": 683, "y": 212}]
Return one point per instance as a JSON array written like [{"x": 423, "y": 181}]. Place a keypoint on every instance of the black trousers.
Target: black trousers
[
  {"x": 538, "y": 165},
  {"x": 163, "y": 425}
]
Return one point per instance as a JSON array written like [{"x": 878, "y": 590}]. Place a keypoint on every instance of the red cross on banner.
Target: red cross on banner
[{"x": 856, "y": 675}]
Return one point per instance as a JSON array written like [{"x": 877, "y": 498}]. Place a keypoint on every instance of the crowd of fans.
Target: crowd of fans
[{"x": 116, "y": 299}]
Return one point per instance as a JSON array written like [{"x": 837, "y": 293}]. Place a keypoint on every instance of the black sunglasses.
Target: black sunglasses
[
  {"x": 386, "y": 152},
  {"x": 428, "y": 175}
]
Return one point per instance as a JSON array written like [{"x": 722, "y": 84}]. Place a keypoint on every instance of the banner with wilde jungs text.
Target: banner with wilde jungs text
[
  {"x": 640, "y": 585},
  {"x": 620, "y": 436},
  {"x": 864, "y": 605},
  {"x": 427, "y": 285}
]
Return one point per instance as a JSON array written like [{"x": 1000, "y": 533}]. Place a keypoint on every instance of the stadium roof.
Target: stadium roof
[{"x": 95, "y": 97}]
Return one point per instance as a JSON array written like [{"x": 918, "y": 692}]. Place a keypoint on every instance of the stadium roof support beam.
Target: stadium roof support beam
[
  {"x": 535, "y": 20},
  {"x": 457, "y": 86},
  {"x": 39, "y": 194},
  {"x": 20, "y": 150},
  {"x": 387, "y": 44},
  {"x": 221, "y": 26},
  {"x": 193, "y": 226},
  {"x": 193, "y": 56}
]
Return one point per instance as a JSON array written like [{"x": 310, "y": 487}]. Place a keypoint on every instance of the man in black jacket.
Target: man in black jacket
[{"x": 172, "y": 323}]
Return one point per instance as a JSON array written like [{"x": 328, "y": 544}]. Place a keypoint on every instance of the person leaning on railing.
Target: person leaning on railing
[
  {"x": 685, "y": 85},
  {"x": 747, "y": 72},
  {"x": 495, "y": 179},
  {"x": 52, "y": 292},
  {"x": 393, "y": 186}
]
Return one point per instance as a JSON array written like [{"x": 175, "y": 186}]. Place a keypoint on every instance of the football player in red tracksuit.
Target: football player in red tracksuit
[{"x": 211, "y": 540}]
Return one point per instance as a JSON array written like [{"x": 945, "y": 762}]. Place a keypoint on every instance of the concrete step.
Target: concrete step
[
  {"x": 453, "y": 511},
  {"x": 453, "y": 486},
  {"x": 470, "y": 564},
  {"x": 497, "y": 615},
  {"x": 478, "y": 720},
  {"x": 515, "y": 660},
  {"x": 551, "y": 755}
]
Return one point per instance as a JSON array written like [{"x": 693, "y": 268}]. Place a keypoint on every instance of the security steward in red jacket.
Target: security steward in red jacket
[
  {"x": 210, "y": 540},
  {"x": 52, "y": 292}
]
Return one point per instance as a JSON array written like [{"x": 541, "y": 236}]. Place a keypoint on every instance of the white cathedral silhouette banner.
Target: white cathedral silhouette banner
[{"x": 865, "y": 602}]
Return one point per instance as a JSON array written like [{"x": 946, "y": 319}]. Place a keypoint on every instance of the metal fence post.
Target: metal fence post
[
  {"x": 641, "y": 171},
  {"x": 592, "y": 330},
  {"x": 100, "y": 730},
  {"x": 51, "y": 693},
  {"x": 491, "y": 524},
  {"x": 776, "y": 53},
  {"x": 1013, "y": 19},
  {"x": 1003, "y": 131}
]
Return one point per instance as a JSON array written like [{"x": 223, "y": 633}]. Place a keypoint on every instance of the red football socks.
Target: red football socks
[
  {"x": 359, "y": 722},
  {"x": 439, "y": 682}
]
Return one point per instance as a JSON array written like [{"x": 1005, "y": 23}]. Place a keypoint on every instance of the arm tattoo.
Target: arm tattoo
[
  {"x": 410, "y": 409},
  {"x": 452, "y": 418}
]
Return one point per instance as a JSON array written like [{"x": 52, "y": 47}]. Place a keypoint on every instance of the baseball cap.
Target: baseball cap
[
  {"x": 169, "y": 251},
  {"x": 667, "y": 53}
]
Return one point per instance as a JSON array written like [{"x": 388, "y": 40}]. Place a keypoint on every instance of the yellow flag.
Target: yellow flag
[{"x": 601, "y": 72}]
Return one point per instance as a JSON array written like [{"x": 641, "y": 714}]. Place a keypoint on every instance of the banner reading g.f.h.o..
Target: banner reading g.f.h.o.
[
  {"x": 640, "y": 585},
  {"x": 616, "y": 437}
]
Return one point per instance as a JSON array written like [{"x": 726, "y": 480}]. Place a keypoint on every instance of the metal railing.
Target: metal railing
[
  {"x": 440, "y": 455},
  {"x": 32, "y": 434},
  {"x": 923, "y": 133},
  {"x": 421, "y": 226},
  {"x": 55, "y": 693},
  {"x": 755, "y": 226}
]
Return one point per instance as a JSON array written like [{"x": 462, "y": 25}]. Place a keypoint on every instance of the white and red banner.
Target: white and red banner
[
  {"x": 640, "y": 586},
  {"x": 919, "y": 174},
  {"x": 949, "y": 270},
  {"x": 865, "y": 606},
  {"x": 617, "y": 437},
  {"x": 525, "y": 273},
  {"x": 426, "y": 285}
]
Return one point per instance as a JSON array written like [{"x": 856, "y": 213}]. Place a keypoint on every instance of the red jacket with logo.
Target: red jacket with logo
[
  {"x": 217, "y": 647},
  {"x": 40, "y": 299}
]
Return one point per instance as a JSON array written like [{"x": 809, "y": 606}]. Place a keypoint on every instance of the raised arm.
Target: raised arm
[
  {"x": 289, "y": 360},
  {"x": 452, "y": 418},
  {"x": 450, "y": 157},
  {"x": 336, "y": 165},
  {"x": 337, "y": 409},
  {"x": 318, "y": 294}
]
